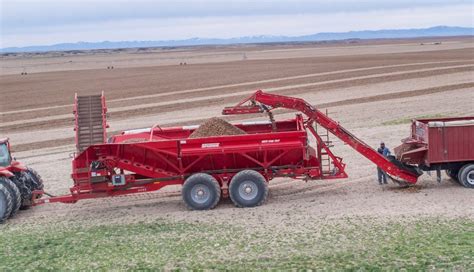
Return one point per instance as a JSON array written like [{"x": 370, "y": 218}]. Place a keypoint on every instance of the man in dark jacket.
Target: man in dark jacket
[{"x": 382, "y": 176}]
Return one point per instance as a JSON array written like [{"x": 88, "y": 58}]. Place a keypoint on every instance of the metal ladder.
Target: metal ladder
[
  {"x": 326, "y": 163},
  {"x": 90, "y": 115}
]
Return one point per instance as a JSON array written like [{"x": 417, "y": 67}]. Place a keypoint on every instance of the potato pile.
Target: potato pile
[{"x": 216, "y": 127}]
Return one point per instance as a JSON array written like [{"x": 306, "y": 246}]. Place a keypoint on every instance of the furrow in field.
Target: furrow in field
[
  {"x": 198, "y": 101},
  {"x": 127, "y": 60},
  {"x": 345, "y": 102},
  {"x": 242, "y": 84}
]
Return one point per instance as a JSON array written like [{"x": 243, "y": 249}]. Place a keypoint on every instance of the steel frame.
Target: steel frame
[{"x": 168, "y": 167}]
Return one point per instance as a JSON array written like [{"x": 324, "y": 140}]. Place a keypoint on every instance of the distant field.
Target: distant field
[{"x": 16, "y": 63}]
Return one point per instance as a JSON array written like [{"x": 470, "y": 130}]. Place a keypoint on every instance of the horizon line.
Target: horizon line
[{"x": 43, "y": 47}]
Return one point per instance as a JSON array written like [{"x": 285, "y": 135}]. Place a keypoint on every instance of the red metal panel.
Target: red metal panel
[
  {"x": 172, "y": 156},
  {"x": 450, "y": 144},
  {"x": 435, "y": 145},
  {"x": 444, "y": 139}
]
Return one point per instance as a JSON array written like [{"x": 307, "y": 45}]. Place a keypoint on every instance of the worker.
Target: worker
[{"x": 380, "y": 173}]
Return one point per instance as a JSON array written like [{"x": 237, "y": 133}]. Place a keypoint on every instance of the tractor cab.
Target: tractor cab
[{"x": 5, "y": 156}]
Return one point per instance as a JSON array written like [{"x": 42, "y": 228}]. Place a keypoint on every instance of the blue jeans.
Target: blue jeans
[{"x": 381, "y": 175}]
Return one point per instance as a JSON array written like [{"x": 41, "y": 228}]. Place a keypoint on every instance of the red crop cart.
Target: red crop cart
[
  {"x": 441, "y": 144},
  {"x": 239, "y": 166}
]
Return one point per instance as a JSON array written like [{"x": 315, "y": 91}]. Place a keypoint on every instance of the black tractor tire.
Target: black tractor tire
[
  {"x": 466, "y": 176},
  {"x": 15, "y": 194},
  {"x": 248, "y": 188},
  {"x": 37, "y": 181},
  {"x": 6, "y": 203},
  {"x": 201, "y": 191},
  {"x": 28, "y": 181},
  {"x": 453, "y": 174},
  {"x": 22, "y": 181}
]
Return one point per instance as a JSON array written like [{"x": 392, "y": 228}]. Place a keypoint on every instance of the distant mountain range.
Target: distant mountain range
[{"x": 438, "y": 31}]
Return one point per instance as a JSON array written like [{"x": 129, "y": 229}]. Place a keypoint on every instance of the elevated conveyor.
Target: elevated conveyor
[{"x": 261, "y": 102}]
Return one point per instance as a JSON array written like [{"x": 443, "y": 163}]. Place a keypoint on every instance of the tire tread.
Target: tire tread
[
  {"x": 462, "y": 176},
  {"x": 8, "y": 202},
  {"x": 15, "y": 194},
  {"x": 208, "y": 177},
  {"x": 257, "y": 175}
]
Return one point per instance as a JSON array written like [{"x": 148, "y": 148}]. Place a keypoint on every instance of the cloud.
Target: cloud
[
  {"x": 27, "y": 13},
  {"x": 28, "y": 22}
]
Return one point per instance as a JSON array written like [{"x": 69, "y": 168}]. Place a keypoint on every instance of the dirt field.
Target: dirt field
[{"x": 371, "y": 88}]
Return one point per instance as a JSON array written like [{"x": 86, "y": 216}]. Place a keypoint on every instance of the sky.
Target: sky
[{"x": 46, "y": 22}]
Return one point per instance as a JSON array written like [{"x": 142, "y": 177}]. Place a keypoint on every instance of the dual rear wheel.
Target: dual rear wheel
[
  {"x": 16, "y": 192},
  {"x": 27, "y": 182},
  {"x": 10, "y": 199},
  {"x": 6, "y": 203},
  {"x": 247, "y": 188},
  {"x": 464, "y": 175}
]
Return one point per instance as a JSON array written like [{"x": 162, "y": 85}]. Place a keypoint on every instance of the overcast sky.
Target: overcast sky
[{"x": 45, "y": 22}]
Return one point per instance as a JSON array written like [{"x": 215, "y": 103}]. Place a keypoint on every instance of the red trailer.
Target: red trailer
[
  {"x": 238, "y": 166},
  {"x": 441, "y": 144}
]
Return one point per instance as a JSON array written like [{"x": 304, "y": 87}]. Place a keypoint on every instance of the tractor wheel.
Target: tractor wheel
[
  {"x": 15, "y": 194},
  {"x": 6, "y": 203},
  {"x": 23, "y": 182},
  {"x": 466, "y": 176},
  {"x": 453, "y": 174},
  {"x": 248, "y": 188},
  {"x": 36, "y": 180},
  {"x": 27, "y": 182},
  {"x": 201, "y": 192}
]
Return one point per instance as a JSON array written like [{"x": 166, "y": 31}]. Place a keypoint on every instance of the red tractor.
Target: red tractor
[{"x": 17, "y": 183}]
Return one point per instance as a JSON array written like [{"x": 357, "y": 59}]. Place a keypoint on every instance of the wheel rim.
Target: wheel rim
[
  {"x": 248, "y": 190},
  {"x": 470, "y": 177},
  {"x": 200, "y": 193}
]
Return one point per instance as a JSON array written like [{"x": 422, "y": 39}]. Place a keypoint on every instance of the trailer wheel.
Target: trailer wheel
[
  {"x": 453, "y": 174},
  {"x": 201, "y": 192},
  {"x": 14, "y": 193},
  {"x": 466, "y": 176},
  {"x": 6, "y": 203},
  {"x": 248, "y": 188}
]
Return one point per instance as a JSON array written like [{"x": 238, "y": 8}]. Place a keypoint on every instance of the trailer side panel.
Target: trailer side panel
[{"x": 450, "y": 143}]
